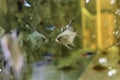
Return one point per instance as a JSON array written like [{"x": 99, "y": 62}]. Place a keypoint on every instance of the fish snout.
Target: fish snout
[{"x": 56, "y": 40}]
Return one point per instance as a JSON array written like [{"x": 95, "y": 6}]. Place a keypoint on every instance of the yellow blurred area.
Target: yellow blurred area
[{"x": 98, "y": 27}]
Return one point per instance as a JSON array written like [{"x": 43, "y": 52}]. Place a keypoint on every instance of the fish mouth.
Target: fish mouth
[
  {"x": 56, "y": 40},
  {"x": 44, "y": 40}
]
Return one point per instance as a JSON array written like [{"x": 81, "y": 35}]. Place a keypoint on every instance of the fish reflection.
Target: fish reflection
[
  {"x": 67, "y": 68},
  {"x": 99, "y": 68},
  {"x": 36, "y": 38},
  {"x": 48, "y": 56},
  {"x": 66, "y": 36},
  {"x": 14, "y": 59}
]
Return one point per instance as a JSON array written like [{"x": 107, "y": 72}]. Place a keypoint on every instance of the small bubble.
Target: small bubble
[
  {"x": 109, "y": 67},
  {"x": 87, "y": 1},
  {"x": 27, "y": 25},
  {"x": 102, "y": 60},
  {"x": 31, "y": 18},
  {"x": 114, "y": 21},
  {"x": 117, "y": 11},
  {"x": 112, "y": 1},
  {"x": 112, "y": 72},
  {"x": 117, "y": 32}
]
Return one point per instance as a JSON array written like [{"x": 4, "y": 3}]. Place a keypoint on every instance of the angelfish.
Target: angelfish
[
  {"x": 66, "y": 36},
  {"x": 36, "y": 38},
  {"x": 14, "y": 57}
]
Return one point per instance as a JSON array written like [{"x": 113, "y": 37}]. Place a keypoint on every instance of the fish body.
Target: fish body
[
  {"x": 37, "y": 39},
  {"x": 13, "y": 55},
  {"x": 66, "y": 36}
]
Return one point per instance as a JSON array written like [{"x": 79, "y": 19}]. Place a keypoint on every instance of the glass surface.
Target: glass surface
[{"x": 57, "y": 49}]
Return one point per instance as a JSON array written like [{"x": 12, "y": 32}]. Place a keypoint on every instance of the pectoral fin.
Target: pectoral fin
[
  {"x": 73, "y": 44},
  {"x": 68, "y": 46}
]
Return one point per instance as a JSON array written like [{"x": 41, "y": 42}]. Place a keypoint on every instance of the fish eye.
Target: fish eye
[
  {"x": 43, "y": 39},
  {"x": 59, "y": 39},
  {"x": 17, "y": 32}
]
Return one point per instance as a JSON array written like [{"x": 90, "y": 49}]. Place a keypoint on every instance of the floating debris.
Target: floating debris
[
  {"x": 66, "y": 36},
  {"x": 99, "y": 68}
]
